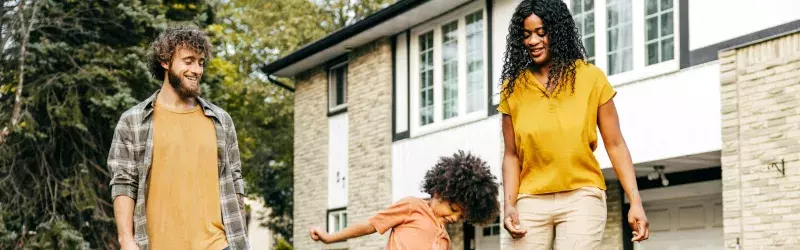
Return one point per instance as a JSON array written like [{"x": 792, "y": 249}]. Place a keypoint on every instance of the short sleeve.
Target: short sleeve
[
  {"x": 393, "y": 216},
  {"x": 604, "y": 90},
  {"x": 504, "y": 107}
]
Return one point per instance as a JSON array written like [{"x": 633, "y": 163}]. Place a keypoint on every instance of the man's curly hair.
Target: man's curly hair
[
  {"x": 565, "y": 44},
  {"x": 172, "y": 39},
  {"x": 464, "y": 179}
]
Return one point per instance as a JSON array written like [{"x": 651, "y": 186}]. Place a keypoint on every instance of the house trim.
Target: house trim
[
  {"x": 343, "y": 34},
  {"x": 491, "y": 109},
  {"x": 710, "y": 53}
]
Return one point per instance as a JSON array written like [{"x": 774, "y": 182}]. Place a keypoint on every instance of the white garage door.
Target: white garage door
[
  {"x": 684, "y": 224},
  {"x": 488, "y": 237}
]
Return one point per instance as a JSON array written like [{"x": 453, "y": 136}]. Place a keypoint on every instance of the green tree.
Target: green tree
[
  {"x": 84, "y": 66},
  {"x": 248, "y": 34}
]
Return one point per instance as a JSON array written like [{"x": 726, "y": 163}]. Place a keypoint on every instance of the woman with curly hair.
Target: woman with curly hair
[
  {"x": 460, "y": 186},
  {"x": 552, "y": 103}
]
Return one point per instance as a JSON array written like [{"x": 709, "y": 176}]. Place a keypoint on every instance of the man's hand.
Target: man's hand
[{"x": 128, "y": 245}]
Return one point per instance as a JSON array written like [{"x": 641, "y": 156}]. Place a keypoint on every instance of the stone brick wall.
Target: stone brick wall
[
  {"x": 369, "y": 109},
  {"x": 456, "y": 232},
  {"x": 760, "y": 94},
  {"x": 310, "y": 156},
  {"x": 612, "y": 238},
  {"x": 369, "y": 104}
]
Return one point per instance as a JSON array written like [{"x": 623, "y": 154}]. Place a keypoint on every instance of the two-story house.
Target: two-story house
[{"x": 708, "y": 96}]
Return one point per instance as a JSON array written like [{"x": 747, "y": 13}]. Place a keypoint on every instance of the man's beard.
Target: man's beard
[{"x": 183, "y": 90}]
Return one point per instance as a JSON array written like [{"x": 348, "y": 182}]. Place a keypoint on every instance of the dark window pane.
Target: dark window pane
[
  {"x": 666, "y": 24},
  {"x": 613, "y": 37},
  {"x": 588, "y": 5},
  {"x": 613, "y": 64},
  {"x": 651, "y": 7},
  {"x": 651, "y": 28},
  {"x": 652, "y": 53},
  {"x": 588, "y": 24},
  {"x": 589, "y": 44},
  {"x": 612, "y": 18},
  {"x": 666, "y": 4},
  {"x": 667, "y": 49},
  {"x": 576, "y": 7},
  {"x": 339, "y": 86}
]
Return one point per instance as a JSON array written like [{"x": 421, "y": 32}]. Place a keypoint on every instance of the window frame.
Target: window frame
[
  {"x": 329, "y": 226},
  {"x": 333, "y": 108},
  {"x": 640, "y": 70},
  {"x": 659, "y": 36},
  {"x": 439, "y": 123}
]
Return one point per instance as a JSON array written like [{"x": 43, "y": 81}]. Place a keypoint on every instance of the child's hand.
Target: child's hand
[{"x": 318, "y": 234}]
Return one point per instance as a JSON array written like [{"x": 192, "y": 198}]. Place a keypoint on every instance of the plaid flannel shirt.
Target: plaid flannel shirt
[{"x": 130, "y": 158}]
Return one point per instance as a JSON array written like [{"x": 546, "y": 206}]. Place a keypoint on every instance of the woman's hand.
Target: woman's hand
[
  {"x": 638, "y": 221},
  {"x": 511, "y": 222}
]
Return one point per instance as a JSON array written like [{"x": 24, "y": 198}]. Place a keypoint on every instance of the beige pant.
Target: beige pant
[{"x": 562, "y": 221}]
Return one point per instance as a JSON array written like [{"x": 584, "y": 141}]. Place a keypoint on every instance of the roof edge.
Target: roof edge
[{"x": 342, "y": 34}]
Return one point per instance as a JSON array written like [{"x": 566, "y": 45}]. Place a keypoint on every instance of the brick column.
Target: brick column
[
  {"x": 310, "y": 156},
  {"x": 760, "y": 94}
]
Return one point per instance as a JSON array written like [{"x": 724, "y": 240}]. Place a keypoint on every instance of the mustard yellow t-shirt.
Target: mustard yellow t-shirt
[
  {"x": 556, "y": 135},
  {"x": 183, "y": 205}
]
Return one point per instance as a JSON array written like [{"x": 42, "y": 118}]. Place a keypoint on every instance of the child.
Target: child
[{"x": 460, "y": 186}]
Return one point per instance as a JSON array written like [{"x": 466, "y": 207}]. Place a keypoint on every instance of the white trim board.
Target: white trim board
[{"x": 680, "y": 191}]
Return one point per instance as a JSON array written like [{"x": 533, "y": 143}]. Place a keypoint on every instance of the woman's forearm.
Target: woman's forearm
[
  {"x": 510, "y": 178},
  {"x": 623, "y": 165}
]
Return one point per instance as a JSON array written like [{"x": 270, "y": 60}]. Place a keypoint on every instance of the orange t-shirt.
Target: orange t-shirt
[
  {"x": 183, "y": 205},
  {"x": 413, "y": 225}
]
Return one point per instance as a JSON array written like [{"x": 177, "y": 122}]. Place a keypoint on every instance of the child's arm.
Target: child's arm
[{"x": 353, "y": 231}]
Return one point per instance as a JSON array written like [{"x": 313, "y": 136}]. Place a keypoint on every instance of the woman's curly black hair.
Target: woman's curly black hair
[
  {"x": 566, "y": 47},
  {"x": 464, "y": 179}
]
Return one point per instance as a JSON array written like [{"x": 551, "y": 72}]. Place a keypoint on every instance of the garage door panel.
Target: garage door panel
[
  {"x": 659, "y": 220},
  {"x": 718, "y": 214},
  {"x": 691, "y": 217},
  {"x": 692, "y": 223}
]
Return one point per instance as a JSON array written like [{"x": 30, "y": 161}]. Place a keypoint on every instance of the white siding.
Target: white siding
[
  {"x": 337, "y": 161},
  {"x": 401, "y": 84},
  {"x": 670, "y": 116},
  {"x": 502, "y": 10},
  {"x": 714, "y": 21},
  {"x": 413, "y": 157}
]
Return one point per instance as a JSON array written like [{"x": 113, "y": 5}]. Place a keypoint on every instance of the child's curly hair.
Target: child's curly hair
[{"x": 464, "y": 179}]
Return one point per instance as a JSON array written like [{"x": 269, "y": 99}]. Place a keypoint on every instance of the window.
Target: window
[
  {"x": 660, "y": 36},
  {"x": 475, "y": 76},
  {"x": 492, "y": 229},
  {"x": 426, "y": 78},
  {"x": 583, "y": 13},
  {"x": 448, "y": 70},
  {"x": 620, "y": 39},
  {"x": 337, "y": 87},
  {"x": 337, "y": 220}
]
